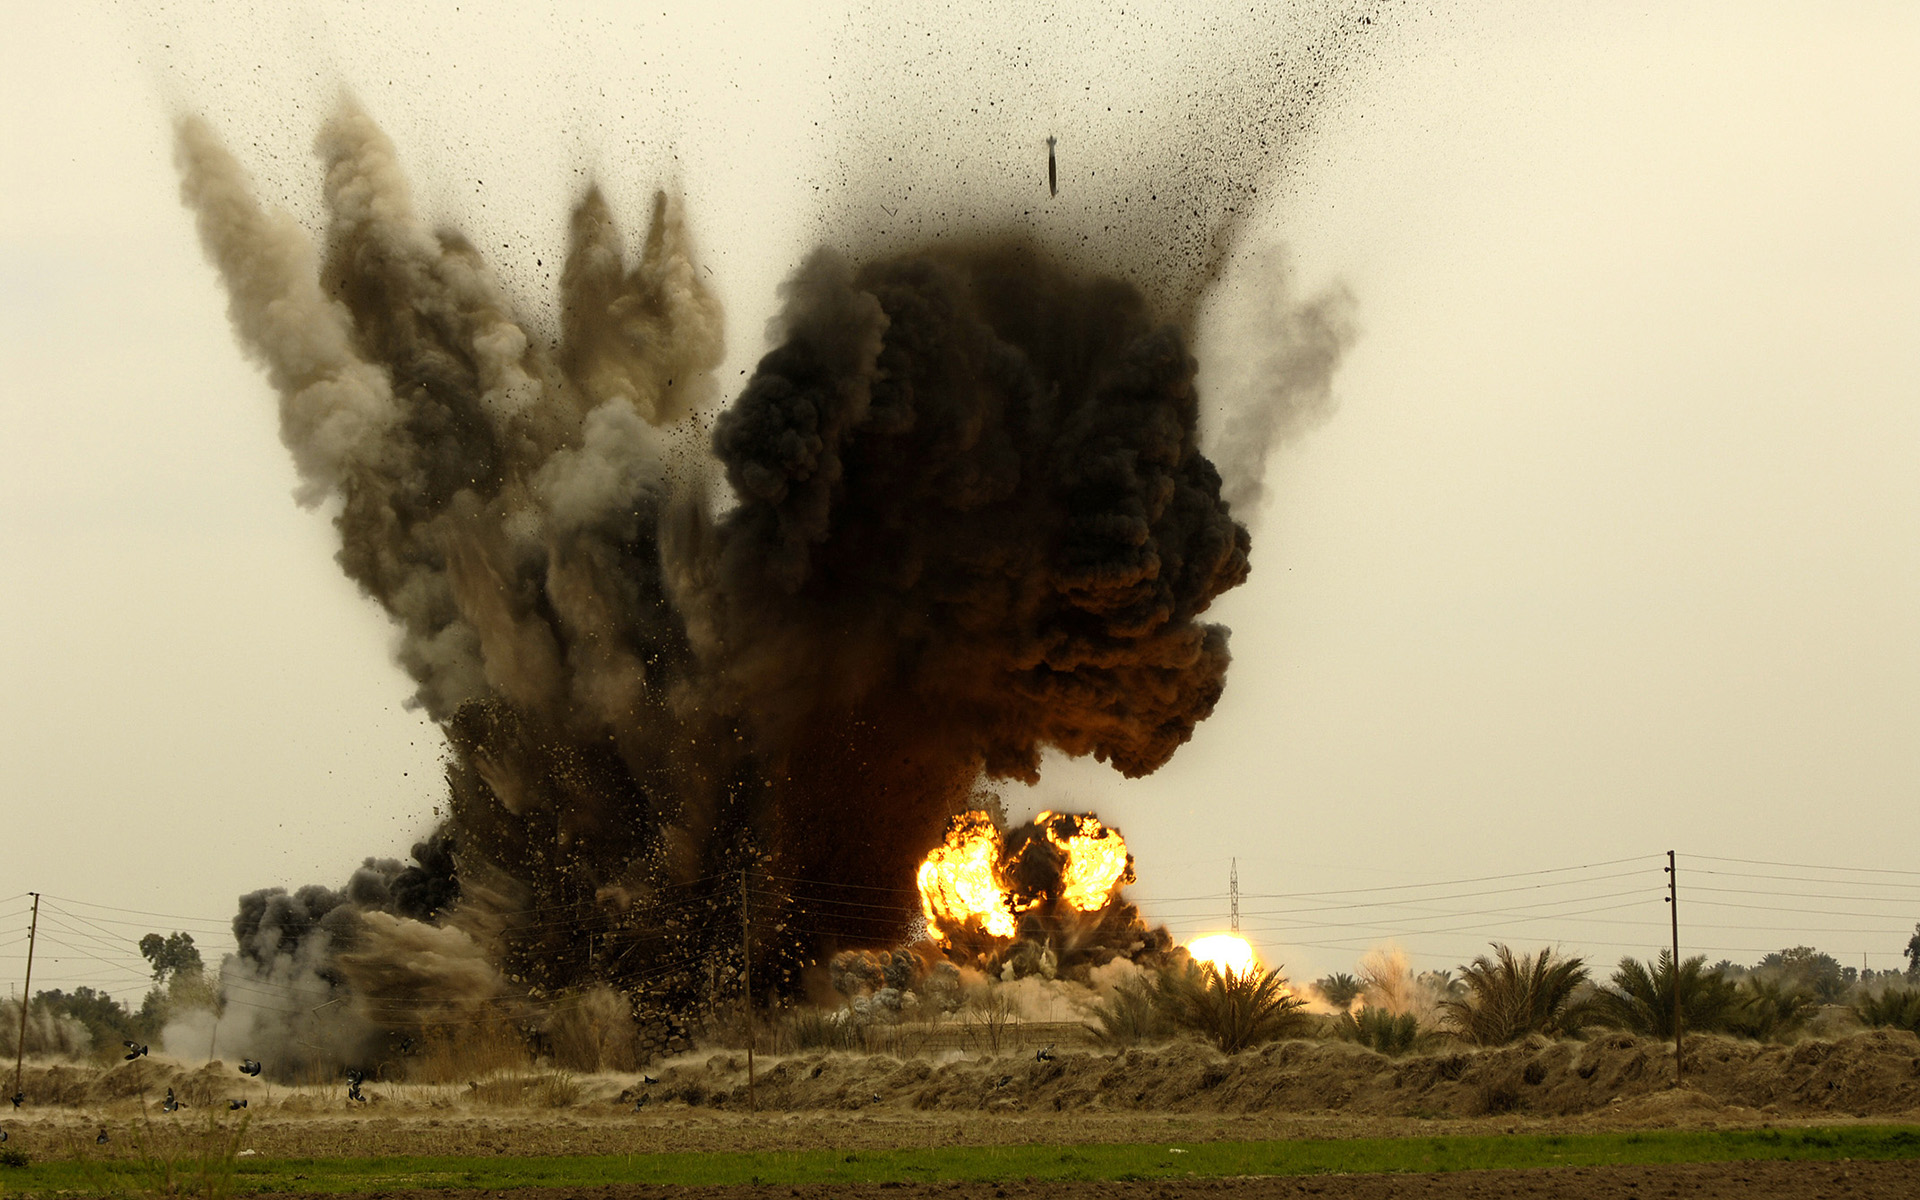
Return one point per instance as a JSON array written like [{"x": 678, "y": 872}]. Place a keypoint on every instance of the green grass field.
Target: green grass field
[{"x": 990, "y": 1163}]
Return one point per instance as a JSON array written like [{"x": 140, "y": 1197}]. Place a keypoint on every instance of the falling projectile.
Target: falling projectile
[{"x": 1053, "y": 176}]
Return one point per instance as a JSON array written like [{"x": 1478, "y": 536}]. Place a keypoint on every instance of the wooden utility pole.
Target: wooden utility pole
[
  {"x": 26, "y": 994},
  {"x": 1673, "y": 906},
  {"x": 746, "y": 982}
]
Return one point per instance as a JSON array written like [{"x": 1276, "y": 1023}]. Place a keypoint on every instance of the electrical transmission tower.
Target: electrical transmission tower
[{"x": 1233, "y": 894}]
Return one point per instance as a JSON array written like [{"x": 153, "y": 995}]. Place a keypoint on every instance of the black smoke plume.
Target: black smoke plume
[{"x": 966, "y": 520}]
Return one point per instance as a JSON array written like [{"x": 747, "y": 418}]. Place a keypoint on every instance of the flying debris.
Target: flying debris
[
  {"x": 134, "y": 1050},
  {"x": 250, "y": 1066},
  {"x": 169, "y": 1104},
  {"x": 1053, "y": 176}
]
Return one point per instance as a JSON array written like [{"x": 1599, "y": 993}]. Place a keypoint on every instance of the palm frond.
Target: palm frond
[
  {"x": 1509, "y": 996},
  {"x": 1233, "y": 1010}
]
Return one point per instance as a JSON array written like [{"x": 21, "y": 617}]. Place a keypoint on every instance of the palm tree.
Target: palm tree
[
  {"x": 1509, "y": 997},
  {"x": 1337, "y": 989},
  {"x": 1898, "y": 1007},
  {"x": 1233, "y": 1010},
  {"x": 1769, "y": 1007},
  {"x": 1378, "y": 1029},
  {"x": 1641, "y": 998}
]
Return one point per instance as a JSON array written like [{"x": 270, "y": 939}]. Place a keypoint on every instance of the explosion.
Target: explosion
[
  {"x": 960, "y": 881},
  {"x": 1227, "y": 953},
  {"x": 971, "y": 882},
  {"x": 1042, "y": 896},
  {"x": 966, "y": 520},
  {"x": 1096, "y": 860}
]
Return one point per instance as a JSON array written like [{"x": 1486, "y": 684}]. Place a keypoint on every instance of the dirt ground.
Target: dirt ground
[
  {"x": 1696, "y": 1181},
  {"x": 1175, "y": 1093},
  {"x": 1287, "y": 1089}
]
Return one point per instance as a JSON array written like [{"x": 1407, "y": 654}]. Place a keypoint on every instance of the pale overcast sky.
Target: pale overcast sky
[{"x": 1612, "y": 545}]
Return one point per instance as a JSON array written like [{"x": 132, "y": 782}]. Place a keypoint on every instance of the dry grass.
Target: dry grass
[
  {"x": 471, "y": 1054},
  {"x": 537, "y": 1089}
]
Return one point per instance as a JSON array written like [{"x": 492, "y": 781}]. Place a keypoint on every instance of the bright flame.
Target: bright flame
[
  {"x": 960, "y": 880},
  {"x": 1226, "y": 951},
  {"x": 1096, "y": 859}
]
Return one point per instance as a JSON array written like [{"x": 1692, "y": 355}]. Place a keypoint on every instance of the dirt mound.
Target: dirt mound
[
  {"x": 1874, "y": 1073},
  {"x": 67, "y": 1085}
]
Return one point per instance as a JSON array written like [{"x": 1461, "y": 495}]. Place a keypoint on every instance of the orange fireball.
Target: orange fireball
[
  {"x": 1097, "y": 860},
  {"x": 960, "y": 880},
  {"x": 979, "y": 878}
]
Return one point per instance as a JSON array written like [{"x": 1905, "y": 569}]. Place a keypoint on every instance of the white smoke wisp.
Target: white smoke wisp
[
  {"x": 48, "y": 1034},
  {"x": 1270, "y": 360},
  {"x": 281, "y": 1009}
]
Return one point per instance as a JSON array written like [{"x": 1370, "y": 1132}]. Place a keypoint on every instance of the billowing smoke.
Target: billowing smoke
[{"x": 966, "y": 520}]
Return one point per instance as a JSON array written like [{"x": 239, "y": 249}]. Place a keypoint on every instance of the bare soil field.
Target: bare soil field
[{"x": 1696, "y": 1181}]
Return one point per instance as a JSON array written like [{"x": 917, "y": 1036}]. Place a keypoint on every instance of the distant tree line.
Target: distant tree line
[{"x": 92, "y": 1023}]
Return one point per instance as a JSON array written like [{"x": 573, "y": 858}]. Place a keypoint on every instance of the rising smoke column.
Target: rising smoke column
[
  {"x": 969, "y": 520},
  {"x": 972, "y": 522},
  {"x": 502, "y": 504}
]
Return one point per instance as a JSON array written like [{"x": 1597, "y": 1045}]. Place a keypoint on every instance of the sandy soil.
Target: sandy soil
[{"x": 1705, "y": 1181}]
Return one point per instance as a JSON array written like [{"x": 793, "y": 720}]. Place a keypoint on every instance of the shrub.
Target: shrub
[
  {"x": 1230, "y": 1009},
  {"x": 987, "y": 1018},
  {"x": 804, "y": 1028},
  {"x": 1641, "y": 998},
  {"x": 1893, "y": 1007},
  {"x": 540, "y": 1089},
  {"x": 1507, "y": 997},
  {"x": 1378, "y": 1029},
  {"x": 1130, "y": 1016}
]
